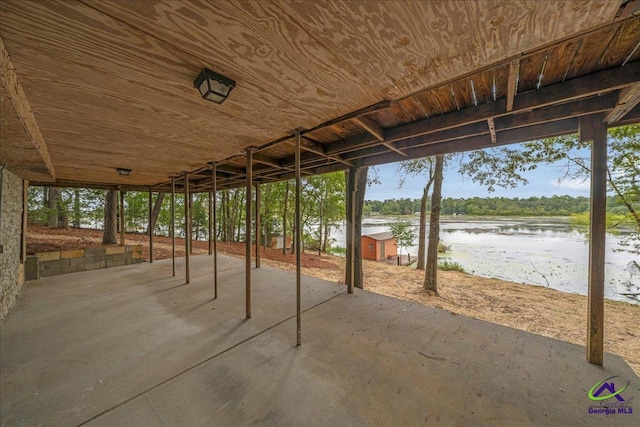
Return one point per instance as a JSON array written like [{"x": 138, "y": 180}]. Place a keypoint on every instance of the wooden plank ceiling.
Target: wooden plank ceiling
[{"x": 110, "y": 84}]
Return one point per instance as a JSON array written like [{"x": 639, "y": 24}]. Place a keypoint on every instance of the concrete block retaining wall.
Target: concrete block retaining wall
[{"x": 62, "y": 262}]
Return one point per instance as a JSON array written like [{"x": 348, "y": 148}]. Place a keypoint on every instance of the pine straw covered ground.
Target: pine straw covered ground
[{"x": 530, "y": 308}]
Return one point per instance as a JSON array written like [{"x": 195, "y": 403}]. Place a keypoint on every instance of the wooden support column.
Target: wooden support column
[
  {"x": 210, "y": 225},
  {"x": 150, "y": 225},
  {"x": 173, "y": 224},
  {"x": 258, "y": 225},
  {"x": 187, "y": 228},
  {"x": 593, "y": 128},
  {"x": 122, "y": 222},
  {"x": 214, "y": 190},
  {"x": 247, "y": 253},
  {"x": 351, "y": 232},
  {"x": 298, "y": 244}
]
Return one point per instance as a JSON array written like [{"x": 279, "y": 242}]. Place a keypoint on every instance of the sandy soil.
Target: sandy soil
[{"x": 530, "y": 308}]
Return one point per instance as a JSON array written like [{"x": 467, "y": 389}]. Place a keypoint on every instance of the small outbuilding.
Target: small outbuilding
[
  {"x": 378, "y": 246},
  {"x": 278, "y": 241}
]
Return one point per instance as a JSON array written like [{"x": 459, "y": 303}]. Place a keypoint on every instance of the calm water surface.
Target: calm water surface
[{"x": 523, "y": 250}]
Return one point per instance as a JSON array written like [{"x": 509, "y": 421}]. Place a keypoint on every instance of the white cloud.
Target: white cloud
[{"x": 572, "y": 184}]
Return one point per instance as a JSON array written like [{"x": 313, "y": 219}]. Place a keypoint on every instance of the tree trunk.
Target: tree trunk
[
  {"x": 422, "y": 238},
  {"x": 157, "y": 206},
  {"x": 52, "y": 207},
  {"x": 110, "y": 236},
  {"x": 284, "y": 218},
  {"x": 327, "y": 233},
  {"x": 76, "y": 208},
  {"x": 232, "y": 215},
  {"x": 320, "y": 230},
  {"x": 225, "y": 222},
  {"x": 431, "y": 274}
]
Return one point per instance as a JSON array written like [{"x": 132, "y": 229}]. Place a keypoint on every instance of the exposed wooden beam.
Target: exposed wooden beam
[
  {"x": 13, "y": 88},
  {"x": 629, "y": 98},
  {"x": 512, "y": 82},
  {"x": 370, "y": 126},
  {"x": 538, "y": 116},
  {"x": 582, "y": 87},
  {"x": 232, "y": 170},
  {"x": 261, "y": 158},
  {"x": 391, "y": 146},
  {"x": 581, "y": 107},
  {"x": 375, "y": 130},
  {"x": 492, "y": 130},
  {"x": 539, "y": 131},
  {"x": 319, "y": 149}
]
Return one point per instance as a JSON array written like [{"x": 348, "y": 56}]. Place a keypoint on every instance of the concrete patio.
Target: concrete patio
[{"x": 134, "y": 346}]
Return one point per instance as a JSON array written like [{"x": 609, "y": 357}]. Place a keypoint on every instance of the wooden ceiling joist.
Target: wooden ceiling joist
[{"x": 555, "y": 94}]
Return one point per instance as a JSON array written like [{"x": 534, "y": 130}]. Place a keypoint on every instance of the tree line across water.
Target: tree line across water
[{"x": 490, "y": 206}]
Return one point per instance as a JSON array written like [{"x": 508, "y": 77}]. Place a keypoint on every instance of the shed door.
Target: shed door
[{"x": 381, "y": 250}]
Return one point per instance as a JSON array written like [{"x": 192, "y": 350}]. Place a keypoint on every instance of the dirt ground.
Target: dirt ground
[{"x": 530, "y": 308}]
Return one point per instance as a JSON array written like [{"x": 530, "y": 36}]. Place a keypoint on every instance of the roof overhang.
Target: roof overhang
[{"x": 110, "y": 84}]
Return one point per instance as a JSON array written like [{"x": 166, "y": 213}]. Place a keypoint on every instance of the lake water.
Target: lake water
[{"x": 520, "y": 250}]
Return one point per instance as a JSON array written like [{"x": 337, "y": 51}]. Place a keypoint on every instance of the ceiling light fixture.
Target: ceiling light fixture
[
  {"x": 212, "y": 86},
  {"x": 123, "y": 171}
]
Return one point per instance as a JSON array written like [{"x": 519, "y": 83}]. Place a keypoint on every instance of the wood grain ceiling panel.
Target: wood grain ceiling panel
[
  {"x": 590, "y": 51},
  {"x": 530, "y": 69},
  {"x": 483, "y": 83},
  {"x": 622, "y": 46},
  {"x": 559, "y": 61},
  {"x": 253, "y": 41},
  {"x": 401, "y": 47},
  {"x": 112, "y": 82}
]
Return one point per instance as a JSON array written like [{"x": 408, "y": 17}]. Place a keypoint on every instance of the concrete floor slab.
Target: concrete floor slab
[{"x": 134, "y": 346}]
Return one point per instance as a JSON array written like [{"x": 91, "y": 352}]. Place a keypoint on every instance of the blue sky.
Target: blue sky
[{"x": 543, "y": 181}]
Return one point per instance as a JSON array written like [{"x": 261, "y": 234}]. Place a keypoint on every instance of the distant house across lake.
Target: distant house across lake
[{"x": 378, "y": 246}]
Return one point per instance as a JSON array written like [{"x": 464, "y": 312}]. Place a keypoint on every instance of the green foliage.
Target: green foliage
[
  {"x": 323, "y": 207},
  {"x": 443, "y": 248},
  {"x": 489, "y": 206},
  {"x": 614, "y": 220},
  {"x": 403, "y": 232},
  {"x": 446, "y": 265},
  {"x": 338, "y": 250}
]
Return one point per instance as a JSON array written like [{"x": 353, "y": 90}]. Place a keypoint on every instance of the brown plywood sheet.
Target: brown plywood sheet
[{"x": 112, "y": 82}]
